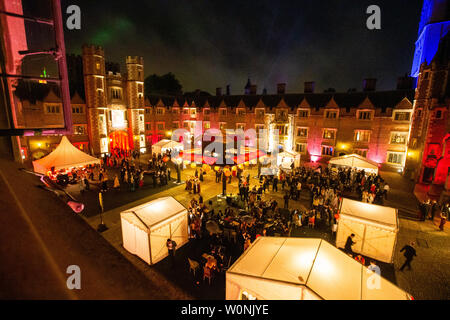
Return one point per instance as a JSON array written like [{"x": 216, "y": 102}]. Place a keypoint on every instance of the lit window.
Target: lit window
[
  {"x": 402, "y": 116},
  {"x": 329, "y": 134},
  {"x": 362, "y": 136},
  {"x": 207, "y": 125},
  {"x": 240, "y": 126},
  {"x": 79, "y": 129},
  {"x": 395, "y": 157},
  {"x": 399, "y": 138},
  {"x": 175, "y": 125},
  {"x": 260, "y": 113},
  {"x": 160, "y": 126},
  {"x": 302, "y": 132}
]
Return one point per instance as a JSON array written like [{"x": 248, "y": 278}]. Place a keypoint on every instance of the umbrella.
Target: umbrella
[
  {"x": 212, "y": 227},
  {"x": 247, "y": 219}
]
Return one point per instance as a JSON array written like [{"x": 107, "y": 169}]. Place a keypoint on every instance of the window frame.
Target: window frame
[
  {"x": 328, "y": 111},
  {"x": 398, "y": 132},
  {"x": 302, "y": 128},
  {"x": 400, "y": 111},
  {"x": 369, "y": 132},
  {"x": 402, "y": 154},
  {"x": 329, "y": 129}
]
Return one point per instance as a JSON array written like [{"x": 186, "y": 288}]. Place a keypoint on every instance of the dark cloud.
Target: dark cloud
[{"x": 208, "y": 44}]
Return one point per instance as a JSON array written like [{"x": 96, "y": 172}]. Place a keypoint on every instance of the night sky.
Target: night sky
[{"x": 209, "y": 44}]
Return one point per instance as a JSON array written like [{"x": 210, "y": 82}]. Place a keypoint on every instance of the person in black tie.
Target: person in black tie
[
  {"x": 409, "y": 254},
  {"x": 349, "y": 243}
]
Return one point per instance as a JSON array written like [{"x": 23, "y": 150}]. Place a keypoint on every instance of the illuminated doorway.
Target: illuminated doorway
[{"x": 119, "y": 141}]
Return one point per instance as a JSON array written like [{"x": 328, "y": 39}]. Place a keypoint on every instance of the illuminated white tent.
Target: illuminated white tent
[
  {"x": 375, "y": 228},
  {"x": 164, "y": 145},
  {"x": 355, "y": 161},
  {"x": 146, "y": 228},
  {"x": 304, "y": 269},
  {"x": 286, "y": 158},
  {"x": 65, "y": 156}
]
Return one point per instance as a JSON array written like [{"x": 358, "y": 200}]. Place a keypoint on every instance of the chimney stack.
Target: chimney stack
[
  {"x": 281, "y": 88},
  {"x": 370, "y": 84},
  {"x": 218, "y": 92},
  {"x": 264, "y": 92},
  {"x": 228, "y": 90},
  {"x": 253, "y": 89},
  {"x": 405, "y": 82},
  {"x": 309, "y": 86}
]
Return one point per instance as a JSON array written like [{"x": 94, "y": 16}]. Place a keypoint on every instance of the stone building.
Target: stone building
[
  {"x": 374, "y": 124},
  {"x": 429, "y": 147},
  {"x": 115, "y": 103}
]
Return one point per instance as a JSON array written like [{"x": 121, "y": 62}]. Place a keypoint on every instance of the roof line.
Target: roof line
[
  {"x": 314, "y": 261},
  {"x": 273, "y": 257}
]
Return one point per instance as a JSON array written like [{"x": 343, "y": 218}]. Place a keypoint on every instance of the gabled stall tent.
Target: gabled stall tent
[
  {"x": 65, "y": 156},
  {"x": 375, "y": 228},
  {"x": 146, "y": 228},
  {"x": 165, "y": 145},
  {"x": 286, "y": 158},
  {"x": 304, "y": 269},
  {"x": 355, "y": 161}
]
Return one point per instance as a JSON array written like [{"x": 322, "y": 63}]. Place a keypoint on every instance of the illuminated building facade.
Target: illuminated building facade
[
  {"x": 115, "y": 103},
  {"x": 429, "y": 144},
  {"x": 374, "y": 124}
]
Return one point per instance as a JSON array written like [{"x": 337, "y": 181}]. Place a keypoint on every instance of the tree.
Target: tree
[{"x": 166, "y": 84}]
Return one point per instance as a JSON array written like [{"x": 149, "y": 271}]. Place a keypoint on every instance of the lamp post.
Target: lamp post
[
  {"x": 102, "y": 226},
  {"x": 178, "y": 173},
  {"x": 224, "y": 184}
]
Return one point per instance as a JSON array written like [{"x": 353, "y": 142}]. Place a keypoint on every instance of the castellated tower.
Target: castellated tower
[
  {"x": 94, "y": 81},
  {"x": 135, "y": 99}
]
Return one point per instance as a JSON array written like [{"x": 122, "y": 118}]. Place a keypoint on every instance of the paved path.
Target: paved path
[{"x": 429, "y": 280}]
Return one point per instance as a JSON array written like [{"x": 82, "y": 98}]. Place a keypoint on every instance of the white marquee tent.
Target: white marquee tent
[
  {"x": 286, "y": 158},
  {"x": 375, "y": 228},
  {"x": 355, "y": 161},
  {"x": 146, "y": 228},
  {"x": 65, "y": 156},
  {"x": 163, "y": 145},
  {"x": 304, "y": 269}
]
